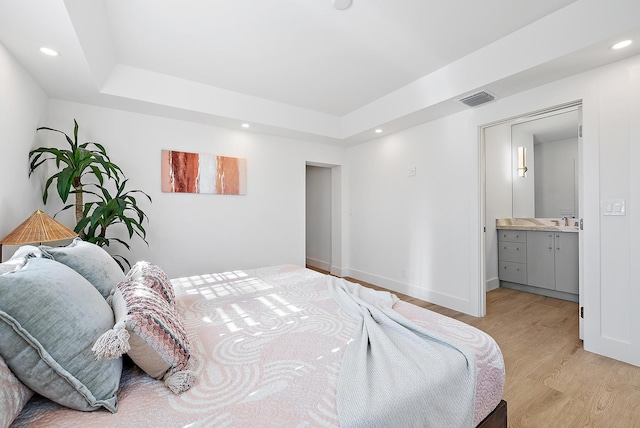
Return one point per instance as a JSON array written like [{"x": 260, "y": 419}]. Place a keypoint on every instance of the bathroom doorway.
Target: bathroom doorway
[{"x": 547, "y": 146}]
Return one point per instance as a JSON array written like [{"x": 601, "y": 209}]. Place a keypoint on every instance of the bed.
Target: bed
[{"x": 266, "y": 349}]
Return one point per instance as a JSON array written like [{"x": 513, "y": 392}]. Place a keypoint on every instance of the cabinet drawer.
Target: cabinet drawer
[
  {"x": 512, "y": 252},
  {"x": 512, "y": 235},
  {"x": 513, "y": 272}
]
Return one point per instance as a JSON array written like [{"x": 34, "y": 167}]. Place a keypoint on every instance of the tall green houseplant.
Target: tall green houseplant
[{"x": 86, "y": 169}]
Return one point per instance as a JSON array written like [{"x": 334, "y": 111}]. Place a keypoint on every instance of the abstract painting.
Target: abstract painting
[{"x": 184, "y": 172}]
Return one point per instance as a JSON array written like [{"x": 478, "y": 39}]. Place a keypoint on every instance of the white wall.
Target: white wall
[
  {"x": 23, "y": 107},
  {"x": 200, "y": 233},
  {"x": 498, "y": 193},
  {"x": 417, "y": 234},
  {"x": 428, "y": 227},
  {"x": 318, "y": 217}
]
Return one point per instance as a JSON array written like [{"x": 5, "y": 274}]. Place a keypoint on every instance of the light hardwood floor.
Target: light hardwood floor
[{"x": 551, "y": 380}]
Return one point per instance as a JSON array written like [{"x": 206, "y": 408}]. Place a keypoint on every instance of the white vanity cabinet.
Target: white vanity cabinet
[
  {"x": 567, "y": 267},
  {"x": 512, "y": 256},
  {"x": 552, "y": 260},
  {"x": 539, "y": 261}
]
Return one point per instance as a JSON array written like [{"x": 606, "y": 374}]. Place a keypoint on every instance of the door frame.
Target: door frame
[{"x": 482, "y": 184}]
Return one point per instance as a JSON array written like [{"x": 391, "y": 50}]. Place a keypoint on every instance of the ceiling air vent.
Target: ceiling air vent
[{"x": 477, "y": 99}]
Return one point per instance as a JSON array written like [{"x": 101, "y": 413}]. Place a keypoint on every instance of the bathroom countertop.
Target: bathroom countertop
[{"x": 537, "y": 224}]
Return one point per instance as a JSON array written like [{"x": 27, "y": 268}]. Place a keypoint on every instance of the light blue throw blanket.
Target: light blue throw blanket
[{"x": 397, "y": 374}]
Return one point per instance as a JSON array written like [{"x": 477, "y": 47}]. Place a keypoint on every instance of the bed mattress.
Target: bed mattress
[{"x": 267, "y": 346}]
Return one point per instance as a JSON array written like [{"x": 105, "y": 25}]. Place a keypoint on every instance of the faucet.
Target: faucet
[{"x": 566, "y": 220}]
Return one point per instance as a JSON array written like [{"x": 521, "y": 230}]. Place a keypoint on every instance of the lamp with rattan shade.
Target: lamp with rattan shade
[{"x": 38, "y": 228}]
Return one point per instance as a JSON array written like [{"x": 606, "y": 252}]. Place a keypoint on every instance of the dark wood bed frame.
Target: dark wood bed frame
[{"x": 497, "y": 418}]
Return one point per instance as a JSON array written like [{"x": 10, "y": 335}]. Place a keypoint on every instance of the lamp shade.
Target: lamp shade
[{"x": 38, "y": 228}]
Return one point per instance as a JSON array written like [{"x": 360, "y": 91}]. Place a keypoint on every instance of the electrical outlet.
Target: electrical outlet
[{"x": 412, "y": 171}]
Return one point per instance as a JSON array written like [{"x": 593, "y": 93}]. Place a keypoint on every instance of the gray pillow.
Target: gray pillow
[
  {"x": 90, "y": 261},
  {"x": 50, "y": 316}
]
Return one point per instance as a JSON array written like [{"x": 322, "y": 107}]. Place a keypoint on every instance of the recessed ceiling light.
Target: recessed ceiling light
[
  {"x": 245, "y": 125},
  {"x": 48, "y": 51},
  {"x": 378, "y": 131},
  {"x": 341, "y": 4},
  {"x": 622, "y": 44}
]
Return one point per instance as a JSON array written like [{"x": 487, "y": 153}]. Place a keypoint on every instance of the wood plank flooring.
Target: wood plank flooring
[{"x": 551, "y": 380}]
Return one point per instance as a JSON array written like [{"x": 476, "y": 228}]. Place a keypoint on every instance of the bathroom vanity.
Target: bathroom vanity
[{"x": 539, "y": 256}]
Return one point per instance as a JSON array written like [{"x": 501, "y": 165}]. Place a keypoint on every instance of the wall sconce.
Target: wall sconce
[{"x": 522, "y": 162}]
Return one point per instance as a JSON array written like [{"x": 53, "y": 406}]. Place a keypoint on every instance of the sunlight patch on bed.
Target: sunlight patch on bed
[
  {"x": 274, "y": 307},
  {"x": 291, "y": 307},
  {"x": 228, "y": 320},
  {"x": 243, "y": 314},
  {"x": 216, "y": 285}
]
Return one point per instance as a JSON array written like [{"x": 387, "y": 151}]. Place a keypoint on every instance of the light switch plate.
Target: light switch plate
[{"x": 613, "y": 207}]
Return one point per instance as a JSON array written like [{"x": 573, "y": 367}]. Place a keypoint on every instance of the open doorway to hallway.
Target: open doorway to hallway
[{"x": 318, "y": 217}]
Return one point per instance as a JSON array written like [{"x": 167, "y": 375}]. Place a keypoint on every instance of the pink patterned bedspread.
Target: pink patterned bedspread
[{"x": 267, "y": 346}]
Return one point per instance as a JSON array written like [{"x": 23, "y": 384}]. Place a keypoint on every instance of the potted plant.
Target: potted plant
[{"x": 86, "y": 169}]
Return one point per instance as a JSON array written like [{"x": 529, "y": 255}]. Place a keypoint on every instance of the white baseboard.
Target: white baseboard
[
  {"x": 492, "y": 284},
  {"x": 337, "y": 271},
  {"x": 430, "y": 296},
  {"x": 318, "y": 264}
]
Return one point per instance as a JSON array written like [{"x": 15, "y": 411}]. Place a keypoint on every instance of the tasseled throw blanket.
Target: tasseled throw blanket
[{"x": 397, "y": 374}]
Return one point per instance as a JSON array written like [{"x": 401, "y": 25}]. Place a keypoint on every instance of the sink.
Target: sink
[{"x": 567, "y": 228}]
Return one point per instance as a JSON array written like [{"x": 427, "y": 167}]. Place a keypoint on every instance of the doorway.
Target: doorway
[
  {"x": 323, "y": 208},
  {"x": 318, "y": 217},
  {"x": 550, "y": 190}
]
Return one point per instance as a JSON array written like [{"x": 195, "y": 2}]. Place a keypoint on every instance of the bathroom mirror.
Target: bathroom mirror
[{"x": 545, "y": 165}]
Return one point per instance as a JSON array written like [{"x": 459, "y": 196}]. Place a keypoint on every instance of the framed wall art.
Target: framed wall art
[{"x": 184, "y": 172}]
